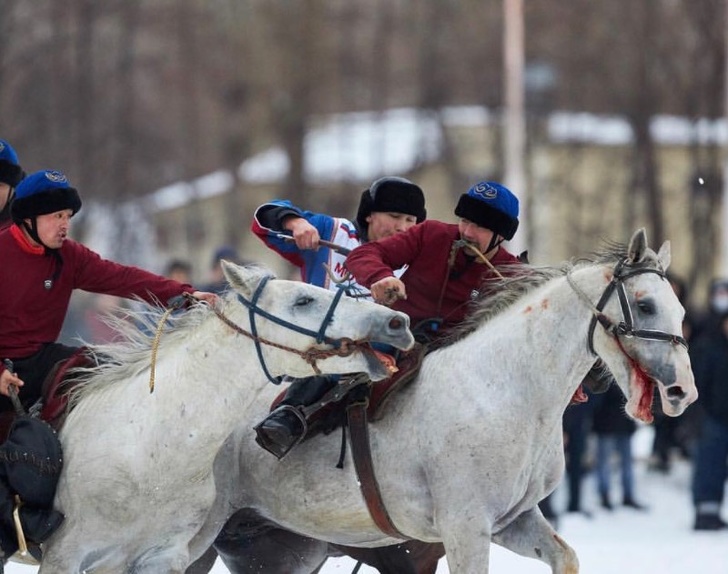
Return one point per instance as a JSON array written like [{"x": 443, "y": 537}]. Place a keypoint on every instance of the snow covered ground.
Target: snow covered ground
[{"x": 624, "y": 540}]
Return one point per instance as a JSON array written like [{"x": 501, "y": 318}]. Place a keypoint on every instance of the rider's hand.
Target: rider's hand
[
  {"x": 6, "y": 379},
  {"x": 388, "y": 290},
  {"x": 304, "y": 234},
  {"x": 212, "y": 299}
]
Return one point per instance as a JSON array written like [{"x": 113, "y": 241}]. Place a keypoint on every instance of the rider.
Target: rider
[
  {"x": 39, "y": 269},
  {"x": 389, "y": 206},
  {"x": 10, "y": 176},
  {"x": 446, "y": 263}
]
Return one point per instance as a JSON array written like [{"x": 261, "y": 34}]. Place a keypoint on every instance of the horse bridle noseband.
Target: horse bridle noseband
[
  {"x": 625, "y": 328},
  {"x": 342, "y": 347}
]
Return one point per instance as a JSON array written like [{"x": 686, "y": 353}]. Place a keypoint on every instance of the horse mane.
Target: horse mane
[
  {"x": 130, "y": 353},
  {"x": 497, "y": 295}
]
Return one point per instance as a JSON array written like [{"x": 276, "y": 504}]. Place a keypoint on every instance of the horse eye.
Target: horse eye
[
  {"x": 303, "y": 301},
  {"x": 646, "y": 307}
]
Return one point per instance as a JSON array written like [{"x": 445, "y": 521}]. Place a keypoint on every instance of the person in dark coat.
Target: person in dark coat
[
  {"x": 614, "y": 430},
  {"x": 709, "y": 357},
  {"x": 577, "y": 423}
]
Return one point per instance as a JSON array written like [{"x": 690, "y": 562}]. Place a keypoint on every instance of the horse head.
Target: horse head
[
  {"x": 330, "y": 332},
  {"x": 642, "y": 342}
]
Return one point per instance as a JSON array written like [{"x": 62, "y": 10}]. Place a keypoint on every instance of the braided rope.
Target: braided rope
[{"x": 155, "y": 345}]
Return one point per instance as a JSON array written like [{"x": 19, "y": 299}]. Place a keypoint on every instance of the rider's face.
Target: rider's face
[
  {"x": 475, "y": 234},
  {"x": 384, "y": 223},
  {"x": 4, "y": 195},
  {"x": 53, "y": 227}
]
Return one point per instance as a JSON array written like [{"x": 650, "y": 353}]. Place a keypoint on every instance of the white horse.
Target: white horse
[
  {"x": 137, "y": 481},
  {"x": 464, "y": 454}
]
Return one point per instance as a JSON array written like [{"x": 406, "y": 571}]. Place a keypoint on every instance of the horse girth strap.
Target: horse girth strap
[{"x": 362, "y": 455}]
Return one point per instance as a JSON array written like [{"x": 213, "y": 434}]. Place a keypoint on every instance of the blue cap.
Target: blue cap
[
  {"x": 490, "y": 205},
  {"x": 43, "y": 192},
  {"x": 10, "y": 171}
]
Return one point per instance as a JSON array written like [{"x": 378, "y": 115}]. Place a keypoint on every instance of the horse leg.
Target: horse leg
[
  {"x": 204, "y": 563},
  {"x": 531, "y": 535},
  {"x": 251, "y": 543}
]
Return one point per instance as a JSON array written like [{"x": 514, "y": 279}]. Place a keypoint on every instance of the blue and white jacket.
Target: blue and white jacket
[{"x": 267, "y": 225}]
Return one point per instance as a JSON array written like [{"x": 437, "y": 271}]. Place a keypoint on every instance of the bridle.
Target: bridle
[
  {"x": 625, "y": 328},
  {"x": 342, "y": 347}
]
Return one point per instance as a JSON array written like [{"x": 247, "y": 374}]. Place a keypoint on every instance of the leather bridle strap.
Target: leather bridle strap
[
  {"x": 362, "y": 455},
  {"x": 624, "y": 328},
  {"x": 319, "y": 335},
  {"x": 346, "y": 345}
]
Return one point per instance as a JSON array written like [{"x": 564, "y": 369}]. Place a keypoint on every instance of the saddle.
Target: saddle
[
  {"x": 57, "y": 386},
  {"x": 53, "y": 403},
  {"x": 31, "y": 460},
  {"x": 329, "y": 413}
]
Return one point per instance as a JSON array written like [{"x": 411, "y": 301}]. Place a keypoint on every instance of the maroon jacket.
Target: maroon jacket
[
  {"x": 35, "y": 289},
  {"x": 425, "y": 248}
]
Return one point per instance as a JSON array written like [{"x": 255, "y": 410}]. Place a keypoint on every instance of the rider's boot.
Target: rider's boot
[
  {"x": 8, "y": 544},
  {"x": 286, "y": 426},
  {"x": 281, "y": 430},
  {"x": 37, "y": 523}
]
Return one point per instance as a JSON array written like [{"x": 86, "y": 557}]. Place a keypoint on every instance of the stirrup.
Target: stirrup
[
  {"x": 276, "y": 449},
  {"x": 29, "y": 554}
]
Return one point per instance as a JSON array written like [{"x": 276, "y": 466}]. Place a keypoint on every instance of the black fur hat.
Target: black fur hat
[{"x": 394, "y": 195}]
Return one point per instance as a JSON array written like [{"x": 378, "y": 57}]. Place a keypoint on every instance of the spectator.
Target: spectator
[
  {"x": 709, "y": 356},
  {"x": 217, "y": 283},
  {"x": 577, "y": 423},
  {"x": 179, "y": 270},
  {"x": 614, "y": 430},
  {"x": 97, "y": 326}
]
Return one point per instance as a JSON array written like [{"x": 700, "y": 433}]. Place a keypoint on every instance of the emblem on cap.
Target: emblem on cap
[
  {"x": 55, "y": 176},
  {"x": 2, "y": 146},
  {"x": 485, "y": 190}
]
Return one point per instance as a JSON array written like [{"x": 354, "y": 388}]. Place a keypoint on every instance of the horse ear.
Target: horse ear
[
  {"x": 241, "y": 278},
  {"x": 664, "y": 256},
  {"x": 637, "y": 246}
]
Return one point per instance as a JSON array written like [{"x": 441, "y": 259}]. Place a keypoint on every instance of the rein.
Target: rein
[
  {"x": 342, "y": 347},
  {"x": 624, "y": 328},
  {"x": 457, "y": 245}
]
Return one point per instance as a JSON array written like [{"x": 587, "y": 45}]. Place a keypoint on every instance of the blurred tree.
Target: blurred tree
[{"x": 127, "y": 96}]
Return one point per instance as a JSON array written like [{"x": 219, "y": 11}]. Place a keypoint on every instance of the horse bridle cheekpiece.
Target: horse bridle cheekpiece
[
  {"x": 341, "y": 347},
  {"x": 625, "y": 328}
]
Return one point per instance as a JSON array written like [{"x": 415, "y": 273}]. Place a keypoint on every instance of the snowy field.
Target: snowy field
[{"x": 624, "y": 540}]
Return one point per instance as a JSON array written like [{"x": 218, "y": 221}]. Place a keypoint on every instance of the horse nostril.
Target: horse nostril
[
  {"x": 396, "y": 323},
  {"x": 675, "y": 392}
]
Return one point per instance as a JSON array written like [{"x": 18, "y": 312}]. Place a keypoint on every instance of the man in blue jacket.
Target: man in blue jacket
[{"x": 389, "y": 206}]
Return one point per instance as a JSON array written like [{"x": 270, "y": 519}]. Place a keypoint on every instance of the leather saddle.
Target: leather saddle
[
  {"x": 53, "y": 404},
  {"x": 328, "y": 413}
]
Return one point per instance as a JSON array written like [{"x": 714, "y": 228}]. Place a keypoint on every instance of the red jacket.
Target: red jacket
[
  {"x": 35, "y": 290},
  {"x": 425, "y": 248}
]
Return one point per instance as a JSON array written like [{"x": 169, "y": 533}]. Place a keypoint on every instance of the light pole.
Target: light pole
[
  {"x": 515, "y": 124},
  {"x": 724, "y": 208}
]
